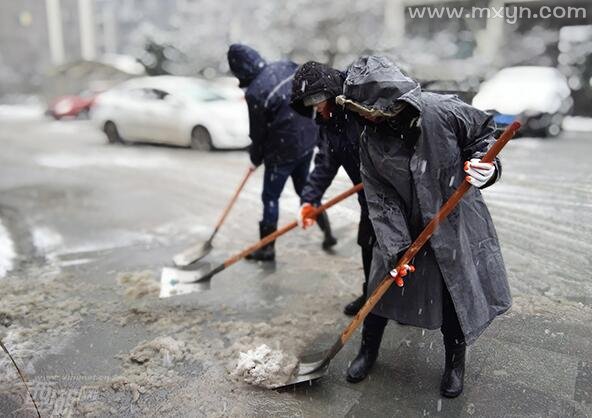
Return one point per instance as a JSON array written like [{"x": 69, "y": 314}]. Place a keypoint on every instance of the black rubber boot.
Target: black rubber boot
[
  {"x": 354, "y": 307},
  {"x": 454, "y": 371},
  {"x": 371, "y": 337},
  {"x": 323, "y": 222},
  {"x": 266, "y": 253}
]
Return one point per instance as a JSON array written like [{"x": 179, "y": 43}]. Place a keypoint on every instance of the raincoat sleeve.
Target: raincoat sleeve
[
  {"x": 384, "y": 206},
  {"x": 325, "y": 170},
  {"x": 257, "y": 129},
  {"x": 475, "y": 130}
]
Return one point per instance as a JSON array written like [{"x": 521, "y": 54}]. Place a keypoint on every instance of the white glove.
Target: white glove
[{"x": 479, "y": 173}]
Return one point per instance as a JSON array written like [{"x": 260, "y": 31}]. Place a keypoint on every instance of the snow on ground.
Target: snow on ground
[
  {"x": 74, "y": 161},
  {"x": 577, "y": 124},
  {"x": 21, "y": 112},
  {"x": 46, "y": 239},
  {"x": 7, "y": 252}
]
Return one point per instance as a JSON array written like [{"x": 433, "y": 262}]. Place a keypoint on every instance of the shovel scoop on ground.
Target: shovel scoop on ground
[
  {"x": 175, "y": 281},
  {"x": 311, "y": 367}
]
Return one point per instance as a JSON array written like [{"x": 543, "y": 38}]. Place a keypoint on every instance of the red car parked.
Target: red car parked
[{"x": 72, "y": 106}]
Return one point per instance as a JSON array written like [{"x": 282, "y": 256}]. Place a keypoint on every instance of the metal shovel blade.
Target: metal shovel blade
[
  {"x": 176, "y": 282},
  {"x": 192, "y": 254},
  {"x": 313, "y": 369}
]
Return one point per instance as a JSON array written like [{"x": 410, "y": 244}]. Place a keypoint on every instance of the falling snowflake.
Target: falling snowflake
[{"x": 423, "y": 166}]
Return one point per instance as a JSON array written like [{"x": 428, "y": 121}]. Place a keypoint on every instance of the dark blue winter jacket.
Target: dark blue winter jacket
[
  {"x": 279, "y": 135},
  {"x": 339, "y": 146}
]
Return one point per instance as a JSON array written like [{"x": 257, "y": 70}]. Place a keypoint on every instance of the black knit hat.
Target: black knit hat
[{"x": 315, "y": 82}]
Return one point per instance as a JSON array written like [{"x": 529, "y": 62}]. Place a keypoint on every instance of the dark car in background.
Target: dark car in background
[{"x": 539, "y": 97}]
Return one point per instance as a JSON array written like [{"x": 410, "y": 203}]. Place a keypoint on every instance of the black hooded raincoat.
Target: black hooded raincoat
[{"x": 405, "y": 188}]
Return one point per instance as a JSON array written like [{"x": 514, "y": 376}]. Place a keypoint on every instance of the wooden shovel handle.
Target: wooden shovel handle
[
  {"x": 419, "y": 243},
  {"x": 272, "y": 237},
  {"x": 234, "y": 197}
]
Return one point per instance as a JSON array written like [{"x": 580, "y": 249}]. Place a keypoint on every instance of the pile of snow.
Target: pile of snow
[
  {"x": 139, "y": 284},
  {"x": 124, "y": 63},
  {"x": 166, "y": 349},
  {"x": 265, "y": 367},
  {"x": 7, "y": 252}
]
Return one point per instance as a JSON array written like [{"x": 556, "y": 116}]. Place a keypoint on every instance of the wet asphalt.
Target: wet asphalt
[{"x": 78, "y": 207}]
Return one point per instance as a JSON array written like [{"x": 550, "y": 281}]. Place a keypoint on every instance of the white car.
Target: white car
[
  {"x": 173, "y": 110},
  {"x": 538, "y": 96}
]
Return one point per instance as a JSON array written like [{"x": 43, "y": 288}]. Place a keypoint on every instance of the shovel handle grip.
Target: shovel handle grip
[
  {"x": 267, "y": 240},
  {"x": 230, "y": 204},
  {"x": 331, "y": 202}
]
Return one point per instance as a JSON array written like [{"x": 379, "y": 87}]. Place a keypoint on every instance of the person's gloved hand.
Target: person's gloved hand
[
  {"x": 479, "y": 173},
  {"x": 402, "y": 271},
  {"x": 307, "y": 215},
  {"x": 397, "y": 274}
]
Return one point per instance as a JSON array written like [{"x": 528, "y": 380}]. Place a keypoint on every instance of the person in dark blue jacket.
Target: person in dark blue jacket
[
  {"x": 315, "y": 86},
  {"x": 282, "y": 140}
]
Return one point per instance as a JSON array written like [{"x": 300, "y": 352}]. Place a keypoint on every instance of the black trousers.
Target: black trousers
[
  {"x": 367, "y": 264},
  {"x": 451, "y": 330},
  {"x": 366, "y": 239}
]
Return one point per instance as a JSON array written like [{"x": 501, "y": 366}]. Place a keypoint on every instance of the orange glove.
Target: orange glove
[
  {"x": 398, "y": 273},
  {"x": 307, "y": 215}
]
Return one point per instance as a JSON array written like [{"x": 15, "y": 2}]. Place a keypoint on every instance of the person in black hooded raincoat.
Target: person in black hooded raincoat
[
  {"x": 315, "y": 86},
  {"x": 415, "y": 150},
  {"x": 281, "y": 139}
]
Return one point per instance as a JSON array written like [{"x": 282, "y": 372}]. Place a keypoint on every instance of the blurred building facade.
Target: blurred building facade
[{"x": 189, "y": 37}]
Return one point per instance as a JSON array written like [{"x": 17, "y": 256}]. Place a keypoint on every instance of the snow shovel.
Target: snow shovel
[
  {"x": 172, "y": 280},
  {"x": 316, "y": 365},
  {"x": 197, "y": 252}
]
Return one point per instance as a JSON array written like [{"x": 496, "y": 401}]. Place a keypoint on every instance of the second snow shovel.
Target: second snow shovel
[
  {"x": 170, "y": 281},
  {"x": 197, "y": 252},
  {"x": 316, "y": 366}
]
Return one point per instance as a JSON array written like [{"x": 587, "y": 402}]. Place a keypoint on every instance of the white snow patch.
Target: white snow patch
[
  {"x": 73, "y": 161},
  {"x": 46, "y": 239},
  {"x": 265, "y": 367},
  {"x": 577, "y": 124},
  {"x": 76, "y": 262},
  {"x": 7, "y": 252},
  {"x": 20, "y": 112}
]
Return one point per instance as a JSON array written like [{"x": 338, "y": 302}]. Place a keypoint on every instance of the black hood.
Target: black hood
[
  {"x": 314, "y": 78},
  {"x": 377, "y": 83},
  {"x": 245, "y": 63}
]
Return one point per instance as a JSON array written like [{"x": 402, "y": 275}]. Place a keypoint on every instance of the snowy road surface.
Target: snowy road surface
[{"x": 91, "y": 225}]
